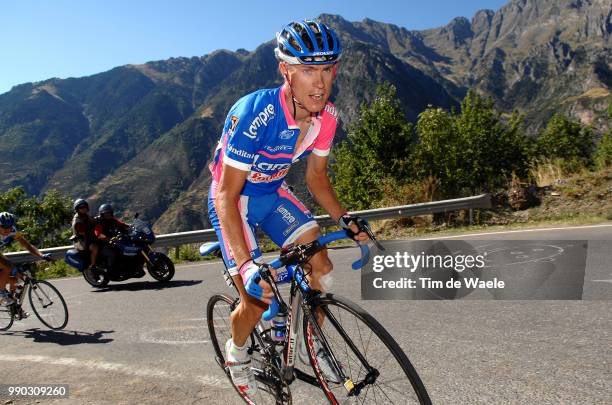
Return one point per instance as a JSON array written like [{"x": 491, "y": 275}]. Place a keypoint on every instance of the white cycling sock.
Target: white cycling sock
[{"x": 238, "y": 353}]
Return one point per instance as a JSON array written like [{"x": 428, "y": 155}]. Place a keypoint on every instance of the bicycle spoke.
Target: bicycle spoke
[{"x": 358, "y": 346}]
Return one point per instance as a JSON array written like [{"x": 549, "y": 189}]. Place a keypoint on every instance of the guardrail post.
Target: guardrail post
[{"x": 471, "y": 216}]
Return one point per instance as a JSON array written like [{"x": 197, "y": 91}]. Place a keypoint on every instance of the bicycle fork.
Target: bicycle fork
[{"x": 352, "y": 388}]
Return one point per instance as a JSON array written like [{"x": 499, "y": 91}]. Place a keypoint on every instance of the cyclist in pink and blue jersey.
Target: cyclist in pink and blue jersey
[{"x": 264, "y": 134}]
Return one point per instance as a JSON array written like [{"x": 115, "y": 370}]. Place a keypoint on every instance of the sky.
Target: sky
[{"x": 67, "y": 38}]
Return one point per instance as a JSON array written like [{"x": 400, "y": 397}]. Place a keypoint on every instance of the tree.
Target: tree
[
  {"x": 437, "y": 152},
  {"x": 472, "y": 150},
  {"x": 603, "y": 153},
  {"x": 567, "y": 139},
  {"x": 379, "y": 145},
  {"x": 44, "y": 221}
]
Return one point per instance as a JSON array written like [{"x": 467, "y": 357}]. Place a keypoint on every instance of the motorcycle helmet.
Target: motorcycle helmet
[
  {"x": 80, "y": 203},
  {"x": 104, "y": 208}
]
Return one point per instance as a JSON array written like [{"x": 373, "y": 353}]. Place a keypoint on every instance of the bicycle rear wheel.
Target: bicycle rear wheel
[
  {"x": 48, "y": 304},
  {"x": 356, "y": 339},
  {"x": 271, "y": 389},
  {"x": 6, "y": 317}
]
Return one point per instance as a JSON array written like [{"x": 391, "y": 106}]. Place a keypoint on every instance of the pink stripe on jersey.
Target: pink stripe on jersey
[
  {"x": 277, "y": 156},
  {"x": 246, "y": 229},
  {"x": 290, "y": 121},
  {"x": 218, "y": 167},
  {"x": 328, "y": 129},
  {"x": 284, "y": 193}
]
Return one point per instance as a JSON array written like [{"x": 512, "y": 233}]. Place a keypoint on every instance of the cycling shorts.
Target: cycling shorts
[{"x": 279, "y": 215}]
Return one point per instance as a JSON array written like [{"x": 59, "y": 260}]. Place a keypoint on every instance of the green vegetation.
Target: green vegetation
[
  {"x": 378, "y": 147},
  {"x": 57, "y": 269},
  {"x": 44, "y": 221},
  {"x": 450, "y": 154},
  {"x": 567, "y": 139},
  {"x": 603, "y": 153}
]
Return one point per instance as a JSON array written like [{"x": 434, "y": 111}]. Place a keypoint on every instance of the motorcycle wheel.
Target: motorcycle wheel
[
  {"x": 95, "y": 278},
  {"x": 162, "y": 268}
]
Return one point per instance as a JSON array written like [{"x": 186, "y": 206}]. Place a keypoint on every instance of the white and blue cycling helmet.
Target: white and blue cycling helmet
[
  {"x": 7, "y": 219},
  {"x": 307, "y": 42}
]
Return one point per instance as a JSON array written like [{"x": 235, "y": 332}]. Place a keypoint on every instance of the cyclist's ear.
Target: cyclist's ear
[
  {"x": 335, "y": 70},
  {"x": 282, "y": 68}
]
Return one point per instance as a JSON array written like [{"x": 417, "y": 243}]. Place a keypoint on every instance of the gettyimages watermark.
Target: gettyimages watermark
[{"x": 476, "y": 269}]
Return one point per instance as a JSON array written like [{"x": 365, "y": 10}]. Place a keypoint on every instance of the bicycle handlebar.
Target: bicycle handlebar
[{"x": 277, "y": 263}]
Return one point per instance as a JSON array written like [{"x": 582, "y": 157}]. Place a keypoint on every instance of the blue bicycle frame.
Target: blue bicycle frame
[{"x": 283, "y": 277}]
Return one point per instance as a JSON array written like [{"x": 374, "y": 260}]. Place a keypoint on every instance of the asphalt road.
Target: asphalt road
[{"x": 139, "y": 342}]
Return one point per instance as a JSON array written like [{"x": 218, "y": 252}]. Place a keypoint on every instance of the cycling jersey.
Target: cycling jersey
[
  {"x": 260, "y": 137},
  {"x": 6, "y": 241}
]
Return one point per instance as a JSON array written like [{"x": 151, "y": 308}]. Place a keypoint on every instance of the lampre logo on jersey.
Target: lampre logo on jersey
[{"x": 261, "y": 119}]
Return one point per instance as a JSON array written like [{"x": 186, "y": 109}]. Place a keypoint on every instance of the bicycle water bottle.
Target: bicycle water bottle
[{"x": 279, "y": 325}]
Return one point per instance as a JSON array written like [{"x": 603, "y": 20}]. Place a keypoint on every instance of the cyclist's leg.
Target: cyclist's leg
[
  {"x": 5, "y": 270},
  {"x": 9, "y": 272},
  {"x": 291, "y": 222},
  {"x": 248, "y": 312}
]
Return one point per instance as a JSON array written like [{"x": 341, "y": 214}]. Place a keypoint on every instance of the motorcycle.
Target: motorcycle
[{"x": 133, "y": 250}]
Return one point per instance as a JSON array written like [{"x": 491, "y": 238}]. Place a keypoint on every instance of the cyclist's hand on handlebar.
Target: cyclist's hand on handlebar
[
  {"x": 354, "y": 226},
  {"x": 254, "y": 283}
]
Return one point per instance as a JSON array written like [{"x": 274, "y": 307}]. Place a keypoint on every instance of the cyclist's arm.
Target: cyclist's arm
[
  {"x": 320, "y": 187},
  {"x": 226, "y": 204},
  {"x": 29, "y": 247}
]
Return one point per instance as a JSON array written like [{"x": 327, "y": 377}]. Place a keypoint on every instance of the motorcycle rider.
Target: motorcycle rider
[
  {"x": 106, "y": 227},
  {"x": 8, "y": 272},
  {"x": 83, "y": 228}
]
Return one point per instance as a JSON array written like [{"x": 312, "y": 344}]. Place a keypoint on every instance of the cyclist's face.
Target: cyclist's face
[
  {"x": 311, "y": 84},
  {"x": 5, "y": 231}
]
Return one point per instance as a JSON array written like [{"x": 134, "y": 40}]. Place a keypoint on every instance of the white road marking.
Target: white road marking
[
  {"x": 138, "y": 371},
  {"x": 518, "y": 231},
  {"x": 157, "y": 335}
]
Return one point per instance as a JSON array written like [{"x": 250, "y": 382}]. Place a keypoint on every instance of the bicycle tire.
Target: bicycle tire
[
  {"x": 35, "y": 289},
  {"x": 338, "y": 392},
  {"x": 218, "y": 321},
  {"x": 6, "y": 317}
]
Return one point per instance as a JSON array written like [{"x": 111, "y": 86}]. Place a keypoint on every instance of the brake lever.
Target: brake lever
[{"x": 372, "y": 237}]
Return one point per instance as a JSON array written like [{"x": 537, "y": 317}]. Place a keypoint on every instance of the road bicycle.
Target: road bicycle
[
  {"x": 368, "y": 366},
  {"x": 46, "y": 301}
]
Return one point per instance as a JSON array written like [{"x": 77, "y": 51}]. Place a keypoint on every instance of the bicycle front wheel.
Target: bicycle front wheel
[
  {"x": 373, "y": 367},
  {"x": 6, "y": 317},
  {"x": 48, "y": 304}
]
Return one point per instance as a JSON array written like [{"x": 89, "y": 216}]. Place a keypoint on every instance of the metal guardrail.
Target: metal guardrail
[{"x": 208, "y": 235}]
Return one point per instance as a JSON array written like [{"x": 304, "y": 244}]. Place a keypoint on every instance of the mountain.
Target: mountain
[{"x": 141, "y": 136}]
